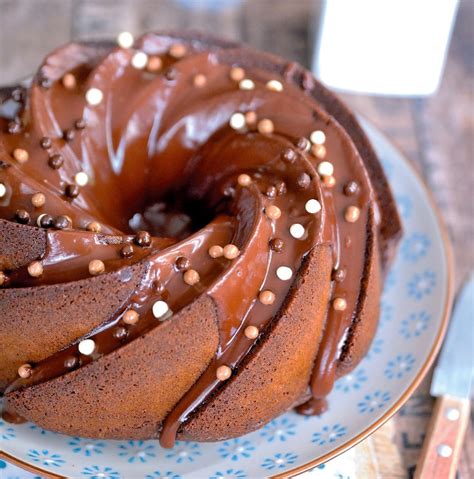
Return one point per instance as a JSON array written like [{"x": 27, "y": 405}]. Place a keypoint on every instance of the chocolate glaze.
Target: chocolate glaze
[{"x": 159, "y": 153}]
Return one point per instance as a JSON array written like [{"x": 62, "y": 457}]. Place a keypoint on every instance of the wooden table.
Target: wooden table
[{"x": 436, "y": 133}]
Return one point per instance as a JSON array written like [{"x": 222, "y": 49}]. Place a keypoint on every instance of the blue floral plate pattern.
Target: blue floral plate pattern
[{"x": 415, "y": 303}]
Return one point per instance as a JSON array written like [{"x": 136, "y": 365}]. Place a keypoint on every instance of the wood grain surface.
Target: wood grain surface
[{"x": 436, "y": 133}]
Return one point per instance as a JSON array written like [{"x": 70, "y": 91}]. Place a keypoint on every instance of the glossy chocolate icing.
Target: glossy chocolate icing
[{"x": 160, "y": 155}]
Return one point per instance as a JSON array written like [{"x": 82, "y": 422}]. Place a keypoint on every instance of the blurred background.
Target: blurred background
[{"x": 405, "y": 65}]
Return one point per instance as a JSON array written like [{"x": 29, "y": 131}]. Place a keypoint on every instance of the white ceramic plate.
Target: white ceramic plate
[{"x": 415, "y": 307}]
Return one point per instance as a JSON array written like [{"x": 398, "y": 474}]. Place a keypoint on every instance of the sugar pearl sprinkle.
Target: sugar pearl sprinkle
[
  {"x": 237, "y": 121},
  {"x": 159, "y": 309},
  {"x": 244, "y": 180},
  {"x": 319, "y": 151},
  {"x": 251, "y": 332},
  {"x": 35, "y": 269},
  {"x": 237, "y": 74},
  {"x": 178, "y": 50},
  {"x": 96, "y": 266},
  {"x": 3, "y": 278},
  {"x": 274, "y": 85},
  {"x": 297, "y": 230},
  {"x": 266, "y": 297},
  {"x": 130, "y": 317},
  {"x": 94, "y": 96},
  {"x": 81, "y": 178},
  {"x": 38, "y": 200},
  {"x": 216, "y": 251},
  {"x": 265, "y": 126},
  {"x": 25, "y": 371},
  {"x": 231, "y": 251},
  {"x": 191, "y": 277},
  {"x": 125, "y": 40},
  {"x": 87, "y": 347},
  {"x": 199, "y": 80},
  {"x": 272, "y": 212},
  {"x": 339, "y": 304},
  {"x": 325, "y": 168},
  {"x": 284, "y": 273},
  {"x": 94, "y": 227},
  {"x": 20, "y": 155},
  {"x": 352, "y": 214},
  {"x": 154, "y": 64},
  {"x": 312, "y": 206},
  {"x": 139, "y": 60},
  {"x": 223, "y": 373},
  {"x": 69, "y": 81},
  {"x": 246, "y": 84},
  {"x": 3, "y": 190},
  {"x": 318, "y": 137}
]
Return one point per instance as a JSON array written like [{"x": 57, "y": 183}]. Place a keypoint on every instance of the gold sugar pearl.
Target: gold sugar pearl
[
  {"x": 244, "y": 180},
  {"x": 223, "y": 373},
  {"x": 231, "y": 251},
  {"x": 339, "y": 304},
  {"x": 199, "y": 80},
  {"x": 251, "y": 332},
  {"x": 251, "y": 118},
  {"x": 319, "y": 151},
  {"x": 352, "y": 214},
  {"x": 130, "y": 317},
  {"x": 329, "y": 181},
  {"x": 191, "y": 277},
  {"x": 96, "y": 266},
  {"x": 178, "y": 50},
  {"x": 35, "y": 269},
  {"x": 21, "y": 155},
  {"x": 266, "y": 297},
  {"x": 69, "y": 81},
  {"x": 265, "y": 126},
  {"x": 216, "y": 251},
  {"x": 237, "y": 74},
  {"x": 274, "y": 85},
  {"x": 154, "y": 64},
  {"x": 38, "y": 200},
  {"x": 272, "y": 212},
  {"x": 25, "y": 371},
  {"x": 94, "y": 226}
]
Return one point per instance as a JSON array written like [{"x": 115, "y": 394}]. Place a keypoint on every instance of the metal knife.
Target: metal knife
[{"x": 451, "y": 385}]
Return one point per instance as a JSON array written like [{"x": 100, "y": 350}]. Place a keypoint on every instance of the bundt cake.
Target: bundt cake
[{"x": 193, "y": 239}]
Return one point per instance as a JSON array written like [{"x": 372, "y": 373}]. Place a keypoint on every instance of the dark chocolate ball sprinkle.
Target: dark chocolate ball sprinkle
[
  {"x": 281, "y": 188},
  {"x": 22, "y": 216},
  {"x": 339, "y": 274},
  {"x": 46, "y": 142},
  {"x": 143, "y": 239},
  {"x": 303, "y": 181},
  {"x": 120, "y": 333},
  {"x": 71, "y": 362},
  {"x": 182, "y": 263},
  {"x": 127, "y": 251},
  {"x": 276, "y": 244},
  {"x": 14, "y": 127},
  {"x": 72, "y": 191},
  {"x": 56, "y": 161},
  {"x": 69, "y": 134},
  {"x": 289, "y": 155},
  {"x": 80, "y": 124},
  {"x": 303, "y": 144},
  {"x": 271, "y": 192},
  {"x": 46, "y": 221},
  {"x": 45, "y": 82},
  {"x": 61, "y": 222},
  {"x": 351, "y": 188},
  {"x": 170, "y": 74},
  {"x": 18, "y": 95}
]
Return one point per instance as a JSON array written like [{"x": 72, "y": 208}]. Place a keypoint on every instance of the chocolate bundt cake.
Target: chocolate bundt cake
[{"x": 193, "y": 238}]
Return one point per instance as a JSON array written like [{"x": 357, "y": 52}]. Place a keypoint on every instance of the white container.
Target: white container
[{"x": 387, "y": 47}]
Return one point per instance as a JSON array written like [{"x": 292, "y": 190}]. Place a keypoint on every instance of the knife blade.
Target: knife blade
[
  {"x": 455, "y": 367},
  {"x": 451, "y": 385}
]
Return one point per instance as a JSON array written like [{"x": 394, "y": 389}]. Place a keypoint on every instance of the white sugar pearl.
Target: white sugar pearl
[
  {"x": 3, "y": 190},
  {"x": 246, "y": 84},
  {"x": 139, "y": 60},
  {"x": 317, "y": 137},
  {"x": 297, "y": 230},
  {"x": 325, "y": 168},
  {"x": 125, "y": 40},
  {"x": 284, "y": 273},
  {"x": 87, "y": 347},
  {"x": 237, "y": 121},
  {"x": 160, "y": 308},
  {"x": 313, "y": 206},
  {"x": 94, "y": 96},
  {"x": 274, "y": 85},
  {"x": 81, "y": 178}
]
